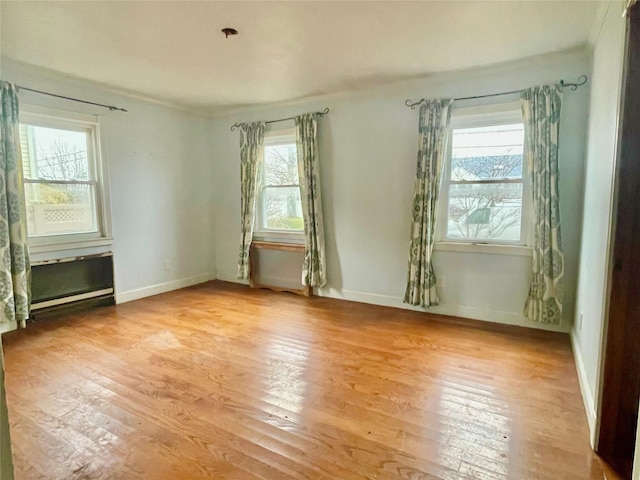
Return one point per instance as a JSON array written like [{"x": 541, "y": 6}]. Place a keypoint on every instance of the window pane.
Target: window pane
[
  {"x": 281, "y": 165},
  {"x": 54, "y": 154},
  {"x": 485, "y": 211},
  {"x": 283, "y": 208},
  {"x": 493, "y": 152},
  {"x": 54, "y": 209}
]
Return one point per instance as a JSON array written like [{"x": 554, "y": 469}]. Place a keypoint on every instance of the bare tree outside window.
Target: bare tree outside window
[
  {"x": 282, "y": 204},
  {"x": 486, "y": 186},
  {"x": 62, "y": 160}
]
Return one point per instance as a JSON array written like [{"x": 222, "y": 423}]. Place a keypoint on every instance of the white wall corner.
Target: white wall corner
[
  {"x": 585, "y": 389},
  {"x": 598, "y": 21},
  {"x": 128, "y": 296}
]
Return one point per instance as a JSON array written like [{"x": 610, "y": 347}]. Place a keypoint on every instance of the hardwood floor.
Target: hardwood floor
[{"x": 220, "y": 381}]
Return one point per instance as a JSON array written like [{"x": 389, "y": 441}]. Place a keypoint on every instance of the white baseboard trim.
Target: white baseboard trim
[
  {"x": 473, "y": 313},
  {"x": 587, "y": 399},
  {"x": 507, "y": 318},
  {"x": 8, "y": 327},
  {"x": 122, "y": 297}
]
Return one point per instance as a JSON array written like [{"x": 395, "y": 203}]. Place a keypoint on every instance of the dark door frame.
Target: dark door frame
[{"x": 621, "y": 373}]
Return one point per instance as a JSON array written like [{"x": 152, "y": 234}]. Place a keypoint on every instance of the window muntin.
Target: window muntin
[
  {"x": 280, "y": 205},
  {"x": 60, "y": 178},
  {"x": 484, "y": 188}
]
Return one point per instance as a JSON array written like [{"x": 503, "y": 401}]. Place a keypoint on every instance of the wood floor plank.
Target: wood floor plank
[{"x": 221, "y": 381}]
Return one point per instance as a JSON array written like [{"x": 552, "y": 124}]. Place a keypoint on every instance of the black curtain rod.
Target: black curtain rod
[
  {"x": 322, "y": 114},
  {"x": 110, "y": 107},
  {"x": 582, "y": 79}
]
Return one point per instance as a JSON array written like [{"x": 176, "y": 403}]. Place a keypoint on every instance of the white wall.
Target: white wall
[
  {"x": 161, "y": 175},
  {"x": 600, "y": 167},
  {"x": 368, "y": 147}
]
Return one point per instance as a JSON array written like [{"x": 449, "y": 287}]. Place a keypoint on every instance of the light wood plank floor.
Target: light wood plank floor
[{"x": 220, "y": 381}]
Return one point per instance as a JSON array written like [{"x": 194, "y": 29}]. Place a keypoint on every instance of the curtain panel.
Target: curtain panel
[
  {"x": 15, "y": 270},
  {"x": 251, "y": 156},
  {"x": 314, "y": 268},
  {"x": 433, "y": 132},
  {"x": 541, "y": 111}
]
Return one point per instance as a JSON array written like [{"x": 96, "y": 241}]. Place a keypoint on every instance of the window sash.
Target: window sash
[
  {"x": 488, "y": 181},
  {"x": 61, "y": 182},
  {"x": 90, "y": 129},
  {"x": 274, "y": 138},
  {"x": 484, "y": 240},
  {"x": 261, "y": 216},
  {"x": 292, "y": 185},
  {"x": 492, "y": 119}
]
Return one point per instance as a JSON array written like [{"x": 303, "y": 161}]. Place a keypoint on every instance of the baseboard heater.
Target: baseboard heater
[
  {"x": 72, "y": 283},
  {"x": 277, "y": 266}
]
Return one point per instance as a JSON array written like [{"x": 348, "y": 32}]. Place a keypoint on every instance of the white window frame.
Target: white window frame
[
  {"x": 274, "y": 138},
  {"x": 474, "y": 117},
  {"x": 98, "y": 173}
]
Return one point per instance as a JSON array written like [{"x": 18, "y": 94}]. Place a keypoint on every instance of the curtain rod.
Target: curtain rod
[
  {"x": 322, "y": 114},
  {"x": 582, "y": 79},
  {"x": 110, "y": 107}
]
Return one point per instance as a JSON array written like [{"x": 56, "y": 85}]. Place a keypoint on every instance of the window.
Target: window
[
  {"x": 484, "y": 183},
  {"x": 60, "y": 160},
  {"x": 279, "y": 204}
]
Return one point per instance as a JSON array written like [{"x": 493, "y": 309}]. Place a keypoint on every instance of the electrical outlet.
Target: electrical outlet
[
  {"x": 167, "y": 264},
  {"x": 580, "y": 318}
]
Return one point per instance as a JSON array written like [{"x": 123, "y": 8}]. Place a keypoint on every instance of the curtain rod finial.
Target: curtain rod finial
[
  {"x": 582, "y": 79},
  {"x": 408, "y": 103}
]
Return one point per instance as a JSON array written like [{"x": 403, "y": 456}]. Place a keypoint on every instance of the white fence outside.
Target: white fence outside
[{"x": 59, "y": 218}]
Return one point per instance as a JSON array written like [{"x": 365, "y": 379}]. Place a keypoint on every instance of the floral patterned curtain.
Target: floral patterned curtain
[
  {"x": 433, "y": 134},
  {"x": 15, "y": 270},
  {"x": 251, "y": 156},
  {"x": 541, "y": 110},
  {"x": 314, "y": 269}
]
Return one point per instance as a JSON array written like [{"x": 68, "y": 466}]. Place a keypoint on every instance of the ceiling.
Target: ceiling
[{"x": 175, "y": 51}]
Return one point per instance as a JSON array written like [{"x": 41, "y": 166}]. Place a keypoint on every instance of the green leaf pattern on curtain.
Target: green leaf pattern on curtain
[
  {"x": 541, "y": 111},
  {"x": 15, "y": 270},
  {"x": 314, "y": 269},
  {"x": 251, "y": 156},
  {"x": 433, "y": 134}
]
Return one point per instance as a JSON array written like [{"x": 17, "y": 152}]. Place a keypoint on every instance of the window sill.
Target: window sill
[
  {"x": 518, "y": 250},
  {"x": 70, "y": 245},
  {"x": 279, "y": 237}
]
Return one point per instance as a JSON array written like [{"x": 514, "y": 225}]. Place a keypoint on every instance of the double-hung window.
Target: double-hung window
[
  {"x": 485, "y": 191},
  {"x": 62, "y": 178},
  {"x": 279, "y": 212}
]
